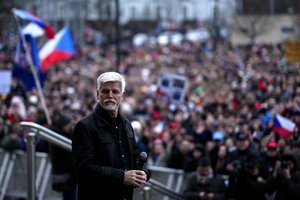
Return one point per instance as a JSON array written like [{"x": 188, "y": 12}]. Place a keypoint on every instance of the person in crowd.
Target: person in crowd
[
  {"x": 12, "y": 137},
  {"x": 250, "y": 182},
  {"x": 196, "y": 154},
  {"x": 6, "y": 140},
  {"x": 2, "y": 129},
  {"x": 219, "y": 164},
  {"x": 63, "y": 176},
  {"x": 105, "y": 155},
  {"x": 204, "y": 183},
  {"x": 285, "y": 181},
  {"x": 213, "y": 146},
  {"x": 158, "y": 155},
  {"x": 230, "y": 144},
  {"x": 141, "y": 140},
  {"x": 296, "y": 150},
  {"x": 179, "y": 152},
  {"x": 238, "y": 165},
  {"x": 269, "y": 157}
]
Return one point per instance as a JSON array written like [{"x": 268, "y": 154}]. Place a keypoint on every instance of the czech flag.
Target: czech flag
[
  {"x": 283, "y": 126},
  {"x": 22, "y": 69},
  {"x": 25, "y": 15},
  {"x": 61, "y": 47},
  {"x": 34, "y": 30}
]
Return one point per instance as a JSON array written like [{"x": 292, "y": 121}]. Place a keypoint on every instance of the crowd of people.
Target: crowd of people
[{"x": 224, "y": 124}]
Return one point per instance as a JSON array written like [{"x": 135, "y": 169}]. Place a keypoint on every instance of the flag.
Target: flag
[
  {"x": 283, "y": 126},
  {"x": 33, "y": 29},
  {"x": 21, "y": 69},
  {"x": 59, "y": 48},
  {"x": 25, "y": 15}
]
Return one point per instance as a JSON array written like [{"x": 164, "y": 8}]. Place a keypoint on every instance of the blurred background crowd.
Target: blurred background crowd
[
  {"x": 233, "y": 95},
  {"x": 232, "y": 90}
]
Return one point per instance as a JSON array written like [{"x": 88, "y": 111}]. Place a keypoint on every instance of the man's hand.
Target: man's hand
[
  {"x": 282, "y": 171},
  {"x": 136, "y": 178},
  {"x": 230, "y": 167},
  {"x": 202, "y": 195},
  {"x": 210, "y": 196}
]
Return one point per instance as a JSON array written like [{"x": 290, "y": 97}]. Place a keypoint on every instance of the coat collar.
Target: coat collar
[
  {"x": 103, "y": 119},
  {"x": 102, "y": 115}
]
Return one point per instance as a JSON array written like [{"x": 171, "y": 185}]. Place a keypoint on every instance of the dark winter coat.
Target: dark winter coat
[
  {"x": 97, "y": 160},
  {"x": 285, "y": 188},
  {"x": 63, "y": 176},
  {"x": 215, "y": 185}
]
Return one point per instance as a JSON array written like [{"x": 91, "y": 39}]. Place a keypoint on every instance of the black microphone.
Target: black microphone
[{"x": 141, "y": 160}]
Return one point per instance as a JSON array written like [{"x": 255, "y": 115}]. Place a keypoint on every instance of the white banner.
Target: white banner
[{"x": 5, "y": 79}]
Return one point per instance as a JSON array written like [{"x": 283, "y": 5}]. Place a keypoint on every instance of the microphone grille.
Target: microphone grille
[{"x": 143, "y": 155}]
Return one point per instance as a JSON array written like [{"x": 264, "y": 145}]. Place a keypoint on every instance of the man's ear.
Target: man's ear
[{"x": 97, "y": 94}]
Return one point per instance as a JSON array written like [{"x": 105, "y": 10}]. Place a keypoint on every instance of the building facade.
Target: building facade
[
  {"x": 265, "y": 21},
  {"x": 165, "y": 10}
]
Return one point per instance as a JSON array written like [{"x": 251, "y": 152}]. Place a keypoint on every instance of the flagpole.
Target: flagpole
[{"x": 34, "y": 73}]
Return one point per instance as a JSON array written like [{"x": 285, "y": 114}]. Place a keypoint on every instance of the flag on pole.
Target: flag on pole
[
  {"x": 283, "y": 126},
  {"x": 33, "y": 29},
  {"x": 25, "y": 15},
  {"x": 32, "y": 76},
  {"x": 61, "y": 47},
  {"x": 21, "y": 69}
]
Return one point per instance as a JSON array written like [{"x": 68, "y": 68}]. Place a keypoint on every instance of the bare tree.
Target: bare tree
[
  {"x": 105, "y": 9},
  {"x": 7, "y": 22},
  {"x": 251, "y": 26}
]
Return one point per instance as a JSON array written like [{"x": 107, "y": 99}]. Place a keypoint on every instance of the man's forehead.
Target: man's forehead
[{"x": 111, "y": 83}]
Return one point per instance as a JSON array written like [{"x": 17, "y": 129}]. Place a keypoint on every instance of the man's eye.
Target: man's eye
[
  {"x": 116, "y": 91},
  {"x": 104, "y": 91},
  {"x": 107, "y": 91}
]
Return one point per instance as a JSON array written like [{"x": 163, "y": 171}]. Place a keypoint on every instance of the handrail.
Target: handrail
[
  {"x": 164, "y": 169},
  {"x": 66, "y": 143},
  {"x": 49, "y": 135},
  {"x": 159, "y": 187}
]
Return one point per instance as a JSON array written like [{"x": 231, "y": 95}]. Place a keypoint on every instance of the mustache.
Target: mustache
[{"x": 109, "y": 101}]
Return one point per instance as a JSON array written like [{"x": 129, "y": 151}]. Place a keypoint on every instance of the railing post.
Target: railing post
[
  {"x": 146, "y": 190},
  {"x": 31, "y": 190}
]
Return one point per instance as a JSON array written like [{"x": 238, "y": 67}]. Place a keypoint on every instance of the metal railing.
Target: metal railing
[
  {"x": 14, "y": 177},
  {"x": 34, "y": 131}
]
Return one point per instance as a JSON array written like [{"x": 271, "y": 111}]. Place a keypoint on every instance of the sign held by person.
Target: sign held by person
[{"x": 172, "y": 87}]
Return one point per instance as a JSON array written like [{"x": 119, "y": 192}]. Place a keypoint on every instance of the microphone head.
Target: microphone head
[{"x": 143, "y": 155}]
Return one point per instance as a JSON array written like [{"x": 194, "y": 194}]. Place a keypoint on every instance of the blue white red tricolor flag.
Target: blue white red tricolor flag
[
  {"x": 283, "y": 126},
  {"x": 25, "y": 15},
  {"x": 22, "y": 69},
  {"x": 59, "y": 48},
  {"x": 33, "y": 29}
]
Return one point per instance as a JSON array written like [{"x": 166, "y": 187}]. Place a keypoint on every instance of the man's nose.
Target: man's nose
[{"x": 110, "y": 93}]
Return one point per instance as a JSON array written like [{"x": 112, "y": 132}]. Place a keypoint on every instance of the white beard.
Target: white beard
[{"x": 110, "y": 105}]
